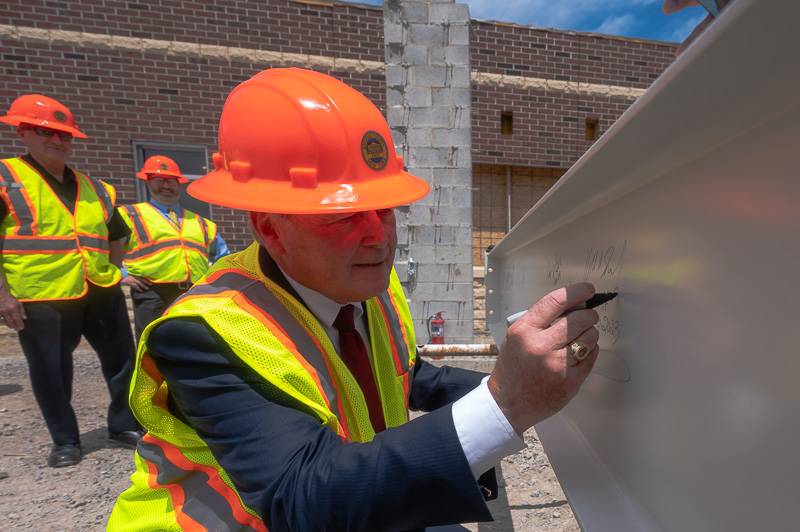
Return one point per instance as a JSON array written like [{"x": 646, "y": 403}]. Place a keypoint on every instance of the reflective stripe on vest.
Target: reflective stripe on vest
[
  {"x": 160, "y": 250},
  {"x": 276, "y": 336},
  {"x": 22, "y": 211},
  {"x": 49, "y": 252},
  {"x": 102, "y": 194},
  {"x": 198, "y": 494},
  {"x": 161, "y": 245},
  {"x": 305, "y": 343},
  {"x": 138, "y": 226}
]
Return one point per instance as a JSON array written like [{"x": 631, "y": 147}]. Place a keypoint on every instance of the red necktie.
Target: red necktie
[{"x": 354, "y": 354}]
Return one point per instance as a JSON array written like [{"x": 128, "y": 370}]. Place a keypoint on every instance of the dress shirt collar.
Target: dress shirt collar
[
  {"x": 323, "y": 307},
  {"x": 166, "y": 208}
]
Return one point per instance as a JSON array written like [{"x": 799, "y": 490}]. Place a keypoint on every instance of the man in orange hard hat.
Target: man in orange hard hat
[
  {"x": 276, "y": 390},
  {"x": 169, "y": 248},
  {"x": 61, "y": 245}
]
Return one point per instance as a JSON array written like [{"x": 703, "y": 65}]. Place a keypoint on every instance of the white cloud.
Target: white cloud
[
  {"x": 683, "y": 31},
  {"x": 616, "y": 24}
]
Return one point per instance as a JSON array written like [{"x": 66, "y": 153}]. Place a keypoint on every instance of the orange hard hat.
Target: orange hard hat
[
  {"x": 295, "y": 141},
  {"x": 161, "y": 166},
  {"x": 39, "y": 110}
]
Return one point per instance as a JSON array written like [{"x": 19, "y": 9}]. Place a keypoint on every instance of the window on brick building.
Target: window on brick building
[
  {"x": 507, "y": 123},
  {"x": 592, "y": 129},
  {"x": 193, "y": 161}
]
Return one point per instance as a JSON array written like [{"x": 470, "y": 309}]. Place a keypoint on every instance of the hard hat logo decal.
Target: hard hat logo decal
[
  {"x": 374, "y": 150},
  {"x": 164, "y": 166},
  {"x": 60, "y": 116}
]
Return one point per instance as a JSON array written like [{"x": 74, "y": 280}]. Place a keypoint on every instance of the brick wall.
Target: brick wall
[
  {"x": 549, "y": 124},
  {"x": 125, "y": 95},
  {"x": 320, "y": 28},
  {"x": 120, "y": 96}
]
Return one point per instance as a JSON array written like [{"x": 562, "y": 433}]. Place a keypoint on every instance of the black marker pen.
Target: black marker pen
[{"x": 594, "y": 301}]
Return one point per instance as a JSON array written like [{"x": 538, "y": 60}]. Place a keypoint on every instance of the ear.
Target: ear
[
  {"x": 267, "y": 233},
  {"x": 21, "y": 132}
]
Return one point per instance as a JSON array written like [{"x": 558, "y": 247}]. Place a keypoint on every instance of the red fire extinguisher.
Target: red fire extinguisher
[{"x": 436, "y": 328}]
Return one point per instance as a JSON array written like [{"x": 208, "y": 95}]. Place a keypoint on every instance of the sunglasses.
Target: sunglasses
[{"x": 48, "y": 133}]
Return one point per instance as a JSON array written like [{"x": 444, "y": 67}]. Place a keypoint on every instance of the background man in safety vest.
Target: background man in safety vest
[
  {"x": 169, "y": 248},
  {"x": 276, "y": 391},
  {"x": 59, "y": 261}
]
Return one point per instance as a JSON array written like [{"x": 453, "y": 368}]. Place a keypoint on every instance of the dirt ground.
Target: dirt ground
[{"x": 36, "y": 497}]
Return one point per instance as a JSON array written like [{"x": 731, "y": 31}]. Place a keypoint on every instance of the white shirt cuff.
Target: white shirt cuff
[{"x": 484, "y": 432}]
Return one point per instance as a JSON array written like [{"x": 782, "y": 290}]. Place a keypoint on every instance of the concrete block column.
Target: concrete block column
[{"x": 428, "y": 103}]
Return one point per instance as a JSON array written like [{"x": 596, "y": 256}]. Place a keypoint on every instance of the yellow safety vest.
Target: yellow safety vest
[
  {"x": 49, "y": 253},
  {"x": 163, "y": 253},
  {"x": 178, "y": 485}
]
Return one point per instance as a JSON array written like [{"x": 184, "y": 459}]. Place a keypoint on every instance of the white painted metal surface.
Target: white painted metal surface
[{"x": 689, "y": 206}]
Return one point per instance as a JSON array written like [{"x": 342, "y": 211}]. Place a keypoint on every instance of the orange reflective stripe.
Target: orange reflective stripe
[
  {"x": 197, "y": 490},
  {"x": 141, "y": 252},
  {"x": 252, "y": 296},
  {"x": 400, "y": 353},
  {"x": 281, "y": 335},
  {"x": 177, "y": 498}
]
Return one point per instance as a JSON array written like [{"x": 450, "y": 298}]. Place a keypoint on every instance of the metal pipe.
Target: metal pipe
[{"x": 457, "y": 349}]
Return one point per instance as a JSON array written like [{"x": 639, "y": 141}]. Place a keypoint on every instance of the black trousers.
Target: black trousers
[
  {"x": 151, "y": 304},
  {"x": 53, "y": 330}
]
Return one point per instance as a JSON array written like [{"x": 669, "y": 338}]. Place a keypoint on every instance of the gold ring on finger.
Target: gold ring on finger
[{"x": 578, "y": 351}]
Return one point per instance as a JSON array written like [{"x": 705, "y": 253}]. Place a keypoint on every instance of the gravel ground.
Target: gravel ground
[{"x": 36, "y": 497}]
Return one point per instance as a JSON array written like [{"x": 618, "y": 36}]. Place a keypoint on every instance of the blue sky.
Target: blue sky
[{"x": 631, "y": 18}]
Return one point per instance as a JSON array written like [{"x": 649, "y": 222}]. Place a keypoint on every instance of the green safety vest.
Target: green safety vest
[
  {"x": 178, "y": 485},
  {"x": 49, "y": 253},
  {"x": 161, "y": 252}
]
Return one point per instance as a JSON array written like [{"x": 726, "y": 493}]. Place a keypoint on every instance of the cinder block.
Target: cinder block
[
  {"x": 419, "y": 214},
  {"x": 427, "y": 34},
  {"x": 452, "y": 176},
  {"x": 419, "y": 137},
  {"x": 458, "y": 77},
  {"x": 442, "y": 137},
  {"x": 458, "y": 34},
  {"x": 443, "y": 96},
  {"x": 393, "y": 53},
  {"x": 397, "y": 116},
  {"x": 457, "y": 54},
  {"x": 443, "y": 272},
  {"x": 461, "y": 117},
  {"x": 396, "y": 75},
  {"x": 414, "y": 12},
  {"x": 453, "y": 216},
  {"x": 431, "y": 157},
  {"x": 394, "y": 96},
  {"x": 393, "y": 31},
  {"x": 427, "y": 117},
  {"x": 428, "y": 75},
  {"x": 461, "y": 196},
  {"x": 453, "y": 254},
  {"x": 415, "y": 54},
  {"x": 416, "y": 96}
]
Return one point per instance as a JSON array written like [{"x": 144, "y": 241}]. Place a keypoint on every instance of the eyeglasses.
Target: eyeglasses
[{"x": 48, "y": 133}]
